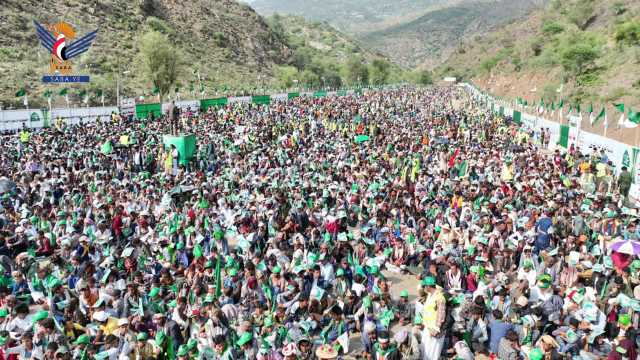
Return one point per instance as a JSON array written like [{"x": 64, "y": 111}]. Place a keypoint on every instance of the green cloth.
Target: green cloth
[{"x": 186, "y": 145}]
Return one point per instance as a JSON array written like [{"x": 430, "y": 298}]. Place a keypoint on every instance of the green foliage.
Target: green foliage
[
  {"x": 588, "y": 79},
  {"x": 309, "y": 79},
  {"x": 579, "y": 57},
  {"x": 517, "y": 63},
  {"x": 425, "y": 77},
  {"x": 628, "y": 33},
  {"x": 302, "y": 57},
  {"x": 552, "y": 27},
  {"x": 537, "y": 44},
  {"x": 220, "y": 39},
  {"x": 549, "y": 92},
  {"x": 581, "y": 13},
  {"x": 488, "y": 64},
  {"x": 160, "y": 61},
  {"x": 275, "y": 24},
  {"x": 357, "y": 71},
  {"x": 159, "y": 25},
  {"x": 619, "y": 8},
  {"x": 286, "y": 76},
  {"x": 379, "y": 72}
]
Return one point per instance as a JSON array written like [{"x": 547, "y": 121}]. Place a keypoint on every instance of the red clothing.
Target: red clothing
[
  {"x": 627, "y": 345},
  {"x": 116, "y": 226},
  {"x": 471, "y": 283},
  {"x": 620, "y": 260}
]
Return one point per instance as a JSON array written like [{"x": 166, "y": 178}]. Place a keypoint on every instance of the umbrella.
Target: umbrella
[
  {"x": 6, "y": 186},
  {"x": 626, "y": 247}
]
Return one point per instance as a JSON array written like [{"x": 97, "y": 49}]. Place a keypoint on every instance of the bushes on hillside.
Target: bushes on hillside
[
  {"x": 578, "y": 57},
  {"x": 581, "y": 14},
  {"x": 552, "y": 28},
  {"x": 628, "y": 33}
]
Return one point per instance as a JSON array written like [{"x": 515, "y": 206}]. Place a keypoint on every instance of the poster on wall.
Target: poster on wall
[{"x": 127, "y": 107}]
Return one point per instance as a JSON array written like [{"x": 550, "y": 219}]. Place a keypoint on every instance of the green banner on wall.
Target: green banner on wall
[
  {"x": 205, "y": 104},
  {"x": 292, "y": 95},
  {"x": 564, "y": 136},
  {"x": 320, "y": 94},
  {"x": 261, "y": 99},
  {"x": 144, "y": 111},
  {"x": 517, "y": 117}
]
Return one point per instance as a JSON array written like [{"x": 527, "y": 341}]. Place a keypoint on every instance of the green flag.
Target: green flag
[
  {"x": 634, "y": 116},
  {"x": 590, "y": 109},
  {"x": 20, "y": 93},
  {"x": 47, "y": 94},
  {"x": 620, "y": 107},
  {"x": 596, "y": 120},
  {"x": 218, "y": 278},
  {"x": 156, "y": 90},
  {"x": 362, "y": 138},
  {"x": 462, "y": 170},
  {"x": 106, "y": 148},
  {"x": 63, "y": 92}
]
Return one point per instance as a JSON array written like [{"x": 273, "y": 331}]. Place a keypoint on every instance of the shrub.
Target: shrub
[
  {"x": 159, "y": 25},
  {"x": 578, "y": 57},
  {"x": 628, "y": 33},
  {"x": 552, "y": 28},
  {"x": 537, "y": 45},
  {"x": 581, "y": 14},
  {"x": 619, "y": 8},
  {"x": 220, "y": 39}
]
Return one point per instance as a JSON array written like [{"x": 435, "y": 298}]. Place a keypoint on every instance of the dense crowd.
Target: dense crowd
[{"x": 399, "y": 224}]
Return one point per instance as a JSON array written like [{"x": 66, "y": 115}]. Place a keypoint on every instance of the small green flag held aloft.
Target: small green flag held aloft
[
  {"x": 218, "y": 278},
  {"x": 106, "y": 148},
  {"x": 362, "y": 138},
  {"x": 21, "y": 93},
  {"x": 63, "y": 92}
]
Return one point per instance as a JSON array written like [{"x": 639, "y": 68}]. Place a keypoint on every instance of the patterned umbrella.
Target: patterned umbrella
[{"x": 626, "y": 247}]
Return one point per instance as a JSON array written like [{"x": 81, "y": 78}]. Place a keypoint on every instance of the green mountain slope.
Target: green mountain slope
[
  {"x": 427, "y": 40},
  {"x": 228, "y": 42},
  {"x": 325, "y": 57},
  {"x": 581, "y": 50},
  {"x": 354, "y": 16}
]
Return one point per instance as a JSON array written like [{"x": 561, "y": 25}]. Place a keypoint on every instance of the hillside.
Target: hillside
[
  {"x": 228, "y": 42},
  {"x": 410, "y": 32},
  {"x": 430, "y": 38},
  {"x": 352, "y": 16},
  {"x": 325, "y": 57},
  {"x": 584, "y": 51}
]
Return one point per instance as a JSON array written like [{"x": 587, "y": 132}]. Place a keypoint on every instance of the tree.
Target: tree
[
  {"x": 425, "y": 78},
  {"x": 357, "y": 71},
  {"x": 286, "y": 75},
  {"x": 302, "y": 57},
  {"x": 160, "y": 61},
  {"x": 379, "y": 71},
  {"x": 579, "y": 57}
]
